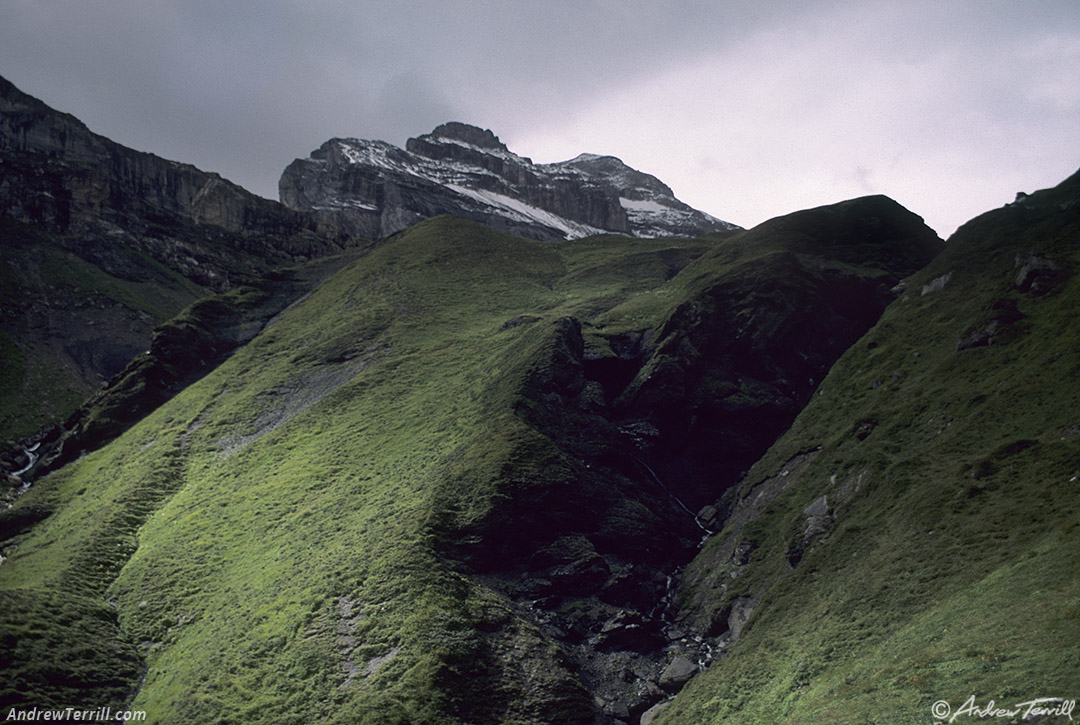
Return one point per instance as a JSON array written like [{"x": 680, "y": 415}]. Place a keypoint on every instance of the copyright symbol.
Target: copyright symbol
[{"x": 940, "y": 709}]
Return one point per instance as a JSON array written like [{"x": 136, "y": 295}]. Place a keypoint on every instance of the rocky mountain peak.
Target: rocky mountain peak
[
  {"x": 373, "y": 189},
  {"x": 466, "y": 133},
  {"x": 630, "y": 182}
]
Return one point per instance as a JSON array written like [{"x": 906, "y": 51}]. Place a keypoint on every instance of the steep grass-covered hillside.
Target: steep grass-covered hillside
[
  {"x": 265, "y": 538},
  {"x": 428, "y": 492},
  {"x": 913, "y": 538}
]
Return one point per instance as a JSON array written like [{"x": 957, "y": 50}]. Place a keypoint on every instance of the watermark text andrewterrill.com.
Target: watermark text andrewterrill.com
[
  {"x": 74, "y": 714},
  {"x": 1039, "y": 707}
]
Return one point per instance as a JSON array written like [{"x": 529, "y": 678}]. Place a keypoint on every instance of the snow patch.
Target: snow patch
[
  {"x": 497, "y": 152},
  {"x": 643, "y": 205},
  {"x": 522, "y": 211}
]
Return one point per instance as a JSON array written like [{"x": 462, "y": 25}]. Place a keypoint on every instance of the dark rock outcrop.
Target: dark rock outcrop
[
  {"x": 372, "y": 189},
  {"x": 734, "y": 364}
]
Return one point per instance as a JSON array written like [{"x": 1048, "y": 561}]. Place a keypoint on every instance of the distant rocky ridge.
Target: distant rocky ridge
[
  {"x": 101, "y": 243},
  {"x": 56, "y": 173},
  {"x": 373, "y": 189}
]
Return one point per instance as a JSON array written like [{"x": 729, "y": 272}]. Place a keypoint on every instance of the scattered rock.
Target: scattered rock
[
  {"x": 864, "y": 428},
  {"x": 740, "y": 555},
  {"x": 995, "y": 327},
  {"x": 981, "y": 337},
  {"x": 819, "y": 507},
  {"x": 741, "y": 610},
  {"x": 675, "y": 633}
]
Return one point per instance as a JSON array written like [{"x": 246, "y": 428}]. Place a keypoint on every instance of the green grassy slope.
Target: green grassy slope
[
  {"x": 266, "y": 537},
  {"x": 945, "y": 566},
  {"x": 310, "y": 531}
]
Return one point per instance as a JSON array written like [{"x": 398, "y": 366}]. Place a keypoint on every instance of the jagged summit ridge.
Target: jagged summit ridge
[
  {"x": 468, "y": 134},
  {"x": 373, "y": 188}
]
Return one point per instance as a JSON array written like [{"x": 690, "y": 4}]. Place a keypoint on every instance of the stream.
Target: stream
[
  {"x": 697, "y": 520},
  {"x": 31, "y": 453}
]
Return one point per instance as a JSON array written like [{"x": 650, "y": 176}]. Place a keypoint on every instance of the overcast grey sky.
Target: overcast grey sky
[{"x": 747, "y": 110}]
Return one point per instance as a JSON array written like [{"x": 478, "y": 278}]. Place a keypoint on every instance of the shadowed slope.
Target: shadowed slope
[{"x": 913, "y": 537}]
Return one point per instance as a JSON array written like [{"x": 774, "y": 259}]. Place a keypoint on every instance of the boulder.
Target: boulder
[
  {"x": 649, "y": 715},
  {"x": 678, "y": 672},
  {"x": 1036, "y": 273}
]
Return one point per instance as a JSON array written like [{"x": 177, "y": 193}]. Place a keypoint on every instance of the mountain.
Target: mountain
[
  {"x": 401, "y": 503},
  {"x": 373, "y": 189},
  {"x": 821, "y": 470},
  {"x": 102, "y": 243}
]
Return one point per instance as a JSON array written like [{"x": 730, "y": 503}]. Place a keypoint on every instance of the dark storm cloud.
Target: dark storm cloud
[
  {"x": 243, "y": 86},
  {"x": 746, "y": 108}
]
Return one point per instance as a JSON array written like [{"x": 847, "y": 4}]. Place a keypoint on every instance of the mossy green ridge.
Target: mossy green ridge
[
  {"x": 318, "y": 529},
  {"x": 288, "y": 569},
  {"x": 913, "y": 537}
]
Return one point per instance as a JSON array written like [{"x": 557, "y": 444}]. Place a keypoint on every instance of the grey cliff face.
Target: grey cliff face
[
  {"x": 56, "y": 173},
  {"x": 373, "y": 189},
  {"x": 99, "y": 243}
]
